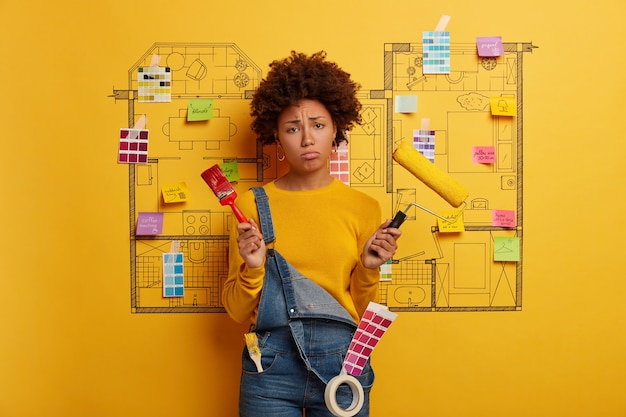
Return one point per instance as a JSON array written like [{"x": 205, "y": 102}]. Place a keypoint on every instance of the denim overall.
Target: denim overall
[{"x": 303, "y": 334}]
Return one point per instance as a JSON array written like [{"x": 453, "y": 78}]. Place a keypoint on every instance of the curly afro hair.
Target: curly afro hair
[{"x": 299, "y": 77}]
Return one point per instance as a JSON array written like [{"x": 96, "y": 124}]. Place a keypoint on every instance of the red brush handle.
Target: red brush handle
[{"x": 238, "y": 214}]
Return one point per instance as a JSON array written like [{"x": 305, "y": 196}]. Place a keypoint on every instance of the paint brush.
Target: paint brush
[
  {"x": 252, "y": 343},
  {"x": 223, "y": 189}
]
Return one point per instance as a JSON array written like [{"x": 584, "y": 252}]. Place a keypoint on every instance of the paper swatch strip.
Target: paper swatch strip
[{"x": 374, "y": 323}]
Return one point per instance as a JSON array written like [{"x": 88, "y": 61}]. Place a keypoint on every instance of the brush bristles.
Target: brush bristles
[{"x": 218, "y": 182}]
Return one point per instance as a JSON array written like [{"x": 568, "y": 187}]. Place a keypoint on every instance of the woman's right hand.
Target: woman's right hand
[{"x": 251, "y": 244}]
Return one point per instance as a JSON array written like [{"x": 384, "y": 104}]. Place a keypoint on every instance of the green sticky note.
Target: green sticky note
[
  {"x": 230, "y": 170},
  {"x": 199, "y": 109},
  {"x": 506, "y": 249}
]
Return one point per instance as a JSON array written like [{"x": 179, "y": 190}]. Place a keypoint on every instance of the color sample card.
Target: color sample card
[
  {"x": 424, "y": 143},
  {"x": 340, "y": 164},
  {"x": 436, "y": 52},
  {"x": 385, "y": 271},
  {"x": 154, "y": 85},
  {"x": 374, "y": 323},
  {"x": 173, "y": 277},
  {"x": 489, "y": 46},
  {"x": 133, "y": 147}
]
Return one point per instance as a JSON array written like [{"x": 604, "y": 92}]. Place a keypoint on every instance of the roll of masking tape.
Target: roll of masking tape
[{"x": 330, "y": 395}]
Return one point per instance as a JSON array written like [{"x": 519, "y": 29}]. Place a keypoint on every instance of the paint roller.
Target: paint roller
[{"x": 437, "y": 180}]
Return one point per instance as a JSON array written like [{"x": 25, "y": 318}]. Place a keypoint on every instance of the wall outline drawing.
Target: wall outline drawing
[{"x": 432, "y": 271}]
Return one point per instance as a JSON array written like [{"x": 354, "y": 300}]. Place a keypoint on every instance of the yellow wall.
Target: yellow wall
[{"x": 69, "y": 344}]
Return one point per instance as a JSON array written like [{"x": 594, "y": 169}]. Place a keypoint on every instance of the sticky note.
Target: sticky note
[
  {"x": 149, "y": 224},
  {"x": 489, "y": 46},
  {"x": 175, "y": 193},
  {"x": 230, "y": 170},
  {"x": 503, "y": 218},
  {"x": 453, "y": 225},
  {"x": 506, "y": 249},
  {"x": 406, "y": 104},
  {"x": 200, "y": 109},
  {"x": 503, "y": 106},
  {"x": 484, "y": 154}
]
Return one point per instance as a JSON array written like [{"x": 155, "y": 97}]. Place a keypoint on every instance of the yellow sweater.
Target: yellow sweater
[{"x": 322, "y": 233}]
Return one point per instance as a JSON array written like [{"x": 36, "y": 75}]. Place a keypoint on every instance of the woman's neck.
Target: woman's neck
[{"x": 294, "y": 182}]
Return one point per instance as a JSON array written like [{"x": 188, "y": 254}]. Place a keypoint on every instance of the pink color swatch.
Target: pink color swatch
[
  {"x": 374, "y": 323},
  {"x": 133, "y": 146}
]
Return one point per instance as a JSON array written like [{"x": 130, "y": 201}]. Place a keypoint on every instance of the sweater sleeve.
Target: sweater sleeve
[
  {"x": 364, "y": 281},
  {"x": 242, "y": 290}
]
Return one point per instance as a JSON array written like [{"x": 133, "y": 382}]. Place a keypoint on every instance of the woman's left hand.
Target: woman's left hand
[{"x": 381, "y": 246}]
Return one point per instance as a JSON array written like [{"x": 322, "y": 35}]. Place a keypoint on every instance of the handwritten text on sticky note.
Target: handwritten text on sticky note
[
  {"x": 484, "y": 154},
  {"x": 454, "y": 223},
  {"x": 149, "y": 224},
  {"x": 175, "y": 193},
  {"x": 489, "y": 46},
  {"x": 200, "y": 109},
  {"x": 230, "y": 170},
  {"x": 503, "y": 218}
]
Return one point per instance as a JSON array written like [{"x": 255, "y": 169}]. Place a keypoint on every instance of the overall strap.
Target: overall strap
[{"x": 265, "y": 215}]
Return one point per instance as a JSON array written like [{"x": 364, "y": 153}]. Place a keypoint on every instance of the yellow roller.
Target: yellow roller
[{"x": 427, "y": 172}]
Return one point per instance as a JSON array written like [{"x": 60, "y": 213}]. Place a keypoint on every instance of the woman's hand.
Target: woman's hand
[
  {"x": 251, "y": 244},
  {"x": 381, "y": 246}
]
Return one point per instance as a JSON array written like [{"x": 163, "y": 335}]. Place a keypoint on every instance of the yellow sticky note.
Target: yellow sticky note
[
  {"x": 175, "y": 193},
  {"x": 230, "y": 170},
  {"x": 453, "y": 225},
  {"x": 503, "y": 106},
  {"x": 200, "y": 109}
]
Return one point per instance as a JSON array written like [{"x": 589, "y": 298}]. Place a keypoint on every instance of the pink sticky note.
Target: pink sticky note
[
  {"x": 489, "y": 46},
  {"x": 503, "y": 218},
  {"x": 484, "y": 154},
  {"x": 149, "y": 224}
]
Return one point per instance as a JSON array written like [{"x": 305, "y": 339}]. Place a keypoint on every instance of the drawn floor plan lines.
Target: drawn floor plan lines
[{"x": 432, "y": 271}]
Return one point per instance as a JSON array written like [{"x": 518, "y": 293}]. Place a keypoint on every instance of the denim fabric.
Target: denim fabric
[
  {"x": 304, "y": 334},
  {"x": 286, "y": 386}
]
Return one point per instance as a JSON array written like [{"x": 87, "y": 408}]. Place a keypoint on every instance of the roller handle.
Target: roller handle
[{"x": 397, "y": 220}]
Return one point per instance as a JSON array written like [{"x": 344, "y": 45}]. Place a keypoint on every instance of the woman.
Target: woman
[{"x": 305, "y": 266}]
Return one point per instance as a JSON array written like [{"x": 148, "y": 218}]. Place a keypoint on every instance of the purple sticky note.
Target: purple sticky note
[
  {"x": 489, "y": 46},
  {"x": 503, "y": 218},
  {"x": 149, "y": 224}
]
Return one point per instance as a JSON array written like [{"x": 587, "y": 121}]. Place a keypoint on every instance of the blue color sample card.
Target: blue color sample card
[
  {"x": 173, "y": 277},
  {"x": 436, "y": 52}
]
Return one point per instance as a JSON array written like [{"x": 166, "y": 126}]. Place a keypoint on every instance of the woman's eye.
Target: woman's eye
[
  {"x": 319, "y": 125},
  {"x": 292, "y": 129}
]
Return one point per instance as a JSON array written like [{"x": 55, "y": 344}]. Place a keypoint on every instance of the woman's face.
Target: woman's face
[{"x": 306, "y": 132}]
